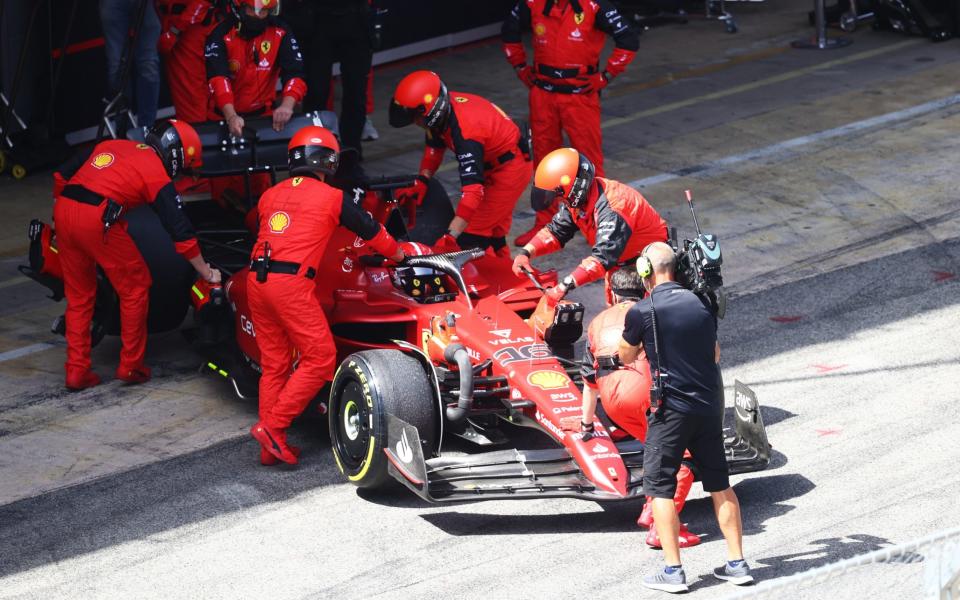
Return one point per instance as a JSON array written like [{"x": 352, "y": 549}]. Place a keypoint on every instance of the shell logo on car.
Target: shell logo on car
[
  {"x": 279, "y": 221},
  {"x": 102, "y": 160},
  {"x": 548, "y": 380}
]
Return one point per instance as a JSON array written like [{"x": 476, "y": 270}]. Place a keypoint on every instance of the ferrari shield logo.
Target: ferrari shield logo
[
  {"x": 102, "y": 160},
  {"x": 296, "y": 181},
  {"x": 265, "y": 47},
  {"x": 578, "y": 18},
  {"x": 460, "y": 99},
  {"x": 142, "y": 146},
  {"x": 548, "y": 380},
  {"x": 278, "y": 222}
]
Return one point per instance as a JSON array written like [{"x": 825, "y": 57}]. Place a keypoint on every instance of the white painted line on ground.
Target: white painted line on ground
[
  {"x": 24, "y": 351},
  {"x": 13, "y": 282},
  {"x": 784, "y": 147}
]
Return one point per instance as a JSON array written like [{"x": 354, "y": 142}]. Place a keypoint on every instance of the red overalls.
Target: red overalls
[
  {"x": 297, "y": 217},
  {"x": 625, "y": 391},
  {"x": 186, "y": 26},
  {"x": 618, "y": 223},
  {"x": 244, "y": 72},
  {"x": 493, "y": 171},
  {"x": 568, "y": 37},
  {"x": 625, "y": 395},
  {"x": 130, "y": 174}
]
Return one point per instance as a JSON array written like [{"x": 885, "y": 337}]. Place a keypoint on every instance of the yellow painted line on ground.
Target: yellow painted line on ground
[
  {"x": 739, "y": 89},
  {"x": 623, "y": 89}
]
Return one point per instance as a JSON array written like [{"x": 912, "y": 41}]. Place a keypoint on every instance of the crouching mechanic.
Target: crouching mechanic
[
  {"x": 624, "y": 389},
  {"x": 616, "y": 220},
  {"x": 93, "y": 191},
  {"x": 297, "y": 217},
  {"x": 678, "y": 331},
  {"x": 491, "y": 149}
]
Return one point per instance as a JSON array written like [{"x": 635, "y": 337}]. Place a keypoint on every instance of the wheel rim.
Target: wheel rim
[{"x": 353, "y": 426}]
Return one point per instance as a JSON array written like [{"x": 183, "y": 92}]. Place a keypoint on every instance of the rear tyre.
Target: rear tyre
[{"x": 368, "y": 386}]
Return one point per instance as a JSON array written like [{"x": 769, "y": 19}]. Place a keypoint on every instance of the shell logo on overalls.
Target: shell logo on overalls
[
  {"x": 279, "y": 221},
  {"x": 102, "y": 160}
]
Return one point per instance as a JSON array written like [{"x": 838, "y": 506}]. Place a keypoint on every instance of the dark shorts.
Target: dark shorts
[{"x": 668, "y": 435}]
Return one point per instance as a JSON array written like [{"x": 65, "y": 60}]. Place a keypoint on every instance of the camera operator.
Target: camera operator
[{"x": 678, "y": 330}]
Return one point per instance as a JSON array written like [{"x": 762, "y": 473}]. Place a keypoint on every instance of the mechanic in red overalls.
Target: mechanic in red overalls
[
  {"x": 565, "y": 79},
  {"x": 245, "y": 55},
  {"x": 93, "y": 191},
  {"x": 297, "y": 217},
  {"x": 624, "y": 390},
  {"x": 489, "y": 147},
  {"x": 617, "y": 221},
  {"x": 185, "y": 26}
]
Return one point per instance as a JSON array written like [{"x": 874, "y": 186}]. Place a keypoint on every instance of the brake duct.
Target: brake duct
[{"x": 444, "y": 345}]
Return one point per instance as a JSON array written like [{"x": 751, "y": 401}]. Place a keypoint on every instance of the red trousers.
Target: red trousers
[
  {"x": 502, "y": 187},
  {"x": 578, "y": 115},
  {"x": 625, "y": 395},
  {"x": 83, "y": 246},
  {"x": 288, "y": 318}
]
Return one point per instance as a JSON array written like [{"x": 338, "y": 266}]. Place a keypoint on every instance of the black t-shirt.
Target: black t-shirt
[{"x": 687, "y": 338}]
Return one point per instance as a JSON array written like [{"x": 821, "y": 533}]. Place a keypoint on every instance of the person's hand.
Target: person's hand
[
  {"x": 415, "y": 193},
  {"x": 594, "y": 83},
  {"x": 168, "y": 40},
  {"x": 586, "y": 431},
  {"x": 281, "y": 115},
  {"x": 521, "y": 263},
  {"x": 570, "y": 423},
  {"x": 235, "y": 125},
  {"x": 555, "y": 294},
  {"x": 212, "y": 275},
  {"x": 525, "y": 74},
  {"x": 446, "y": 243}
]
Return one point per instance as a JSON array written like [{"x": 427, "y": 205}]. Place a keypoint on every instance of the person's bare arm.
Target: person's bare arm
[
  {"x": 589, "y": 405},
  {"x": 716, "y": 354},
  {"x": 628, "y": 353}
]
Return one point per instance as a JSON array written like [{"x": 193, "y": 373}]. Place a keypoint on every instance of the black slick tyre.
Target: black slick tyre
[{"x": 368, "y": 386}]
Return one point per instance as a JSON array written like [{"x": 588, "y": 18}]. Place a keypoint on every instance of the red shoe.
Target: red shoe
[
  {"x": 268, "y": 460},
  {"x": 685, "y": 539},
  {"x": 274, "y": 441},
  {"x": 133, "y": 376},
  {"x": 80, "y": 380},
  {"x": 646, "y": 516}
]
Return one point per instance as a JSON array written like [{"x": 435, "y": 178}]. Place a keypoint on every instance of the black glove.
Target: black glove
[{"x": 586, "y": 431}]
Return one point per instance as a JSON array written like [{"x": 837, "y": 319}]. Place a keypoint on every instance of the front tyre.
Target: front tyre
[{"x": 368, "y": 386}]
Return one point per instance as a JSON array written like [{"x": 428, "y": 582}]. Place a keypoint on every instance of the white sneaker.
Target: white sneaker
[{"x": 370, "y": 132}]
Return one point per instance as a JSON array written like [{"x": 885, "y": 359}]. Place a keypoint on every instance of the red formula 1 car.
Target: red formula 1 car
[{"x": 442, "y": 346}]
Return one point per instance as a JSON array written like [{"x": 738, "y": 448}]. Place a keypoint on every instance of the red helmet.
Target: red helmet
[
  {"x": 565, "y": 173},
  {"x": 313, "y": 148},
  {"x": 420, "y": 95},
  {"x": 178, "y": 145}
]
